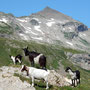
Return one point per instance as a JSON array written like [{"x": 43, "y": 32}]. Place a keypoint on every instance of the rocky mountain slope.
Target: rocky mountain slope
[{"x": 46, "y": 26}]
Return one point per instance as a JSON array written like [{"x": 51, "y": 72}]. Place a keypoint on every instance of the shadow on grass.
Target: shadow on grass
[{"x": 42, "y": 86}]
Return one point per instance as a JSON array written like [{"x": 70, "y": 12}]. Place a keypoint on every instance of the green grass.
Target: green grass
[
  {"x": 73, "y": 51},
  {"x": 5, "y": 28},
  {"x": 9, "y": 47}
]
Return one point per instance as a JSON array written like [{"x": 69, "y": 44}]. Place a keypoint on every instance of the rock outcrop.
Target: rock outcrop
[{"x": 9, "y": 82}]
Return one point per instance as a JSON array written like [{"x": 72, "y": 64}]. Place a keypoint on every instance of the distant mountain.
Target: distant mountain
[{"x": 46, "y": 26}]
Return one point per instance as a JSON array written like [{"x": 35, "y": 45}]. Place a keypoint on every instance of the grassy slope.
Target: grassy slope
[
  {"x": 9, "y": 47},
  {"x": 5, "y": 28},
  {"x": 53, "y": 54}
]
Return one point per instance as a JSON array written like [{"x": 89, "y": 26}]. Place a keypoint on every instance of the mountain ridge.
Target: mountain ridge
[{"x": 47, "y": 26}]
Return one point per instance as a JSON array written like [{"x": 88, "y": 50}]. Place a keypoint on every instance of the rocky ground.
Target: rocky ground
[
  {"x": 57, "y": 79},
  {"x": 10, "y": 82}
]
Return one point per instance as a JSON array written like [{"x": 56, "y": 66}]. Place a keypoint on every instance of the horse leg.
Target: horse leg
[{"x": 32, "y": 63}]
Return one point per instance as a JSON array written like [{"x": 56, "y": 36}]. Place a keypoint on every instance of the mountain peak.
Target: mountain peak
[
  {"x": 48, "y": 8},
  {"x": 49, "y": 13}
]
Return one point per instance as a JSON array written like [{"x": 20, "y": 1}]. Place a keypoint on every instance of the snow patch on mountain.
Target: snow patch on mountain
[
  {"x": 51, "y": 19},
  {"x": 37, "y": 38},
  {"x": 38, "y": 29},
  {"x": 69, "y": 43},
  {"x": 21, "y": 24},
  {"x": 22, "y": 20},
  {"x": 49, "y": 24},
  {"x": 4, "y": 20},
  {"x": 23, "y": 36},
  {"x": 30, "y": 31},
  {"x": 82, "y": 35},
  {"x": 27, "y": 28}
]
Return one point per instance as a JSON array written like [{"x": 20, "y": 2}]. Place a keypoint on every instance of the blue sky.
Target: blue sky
[{"x": 77, "y": 9}]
